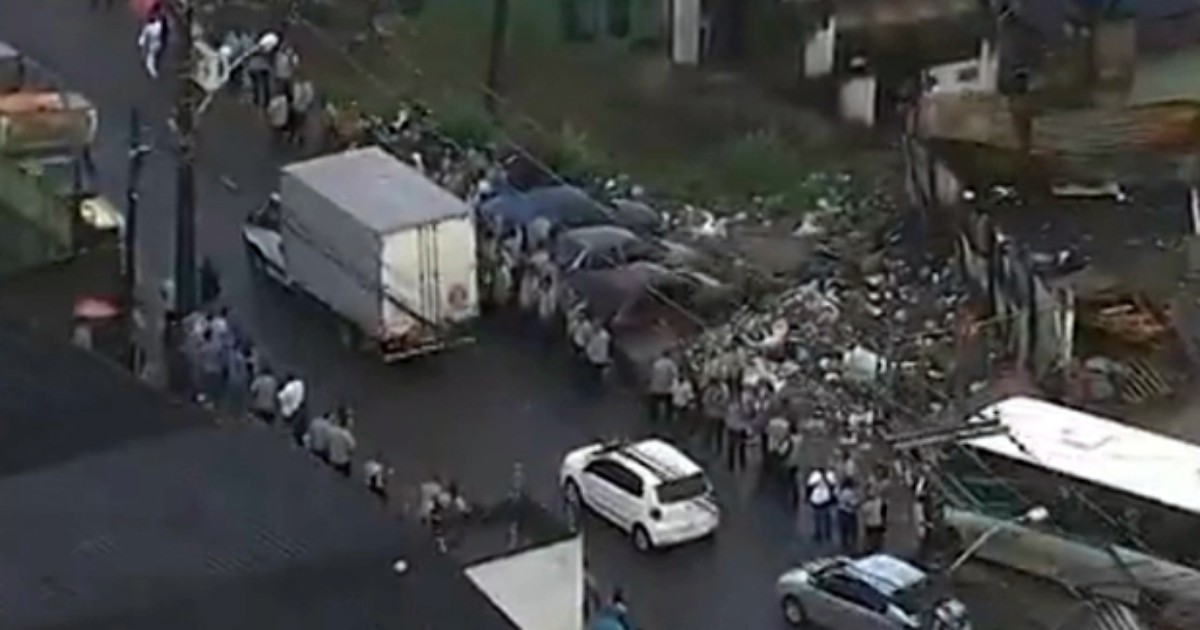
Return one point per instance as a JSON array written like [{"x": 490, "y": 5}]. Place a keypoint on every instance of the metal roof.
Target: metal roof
[
  {"x": 1096, "y": 450},
  {"x": 382, "y": 192},
  {"x": 216, "y": 528},
  {"x": 121, "y": 509}
]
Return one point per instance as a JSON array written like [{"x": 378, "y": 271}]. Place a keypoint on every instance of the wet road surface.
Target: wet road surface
[{"x": 469, "y": 414}]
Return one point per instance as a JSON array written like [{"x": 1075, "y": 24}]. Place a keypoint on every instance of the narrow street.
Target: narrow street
[{"x": 470, "y": 414}]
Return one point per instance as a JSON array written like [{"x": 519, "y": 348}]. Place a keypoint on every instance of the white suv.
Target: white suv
[{"x": 649, "y": 488}]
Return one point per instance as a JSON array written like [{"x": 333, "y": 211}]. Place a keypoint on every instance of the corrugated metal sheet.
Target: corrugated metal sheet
[
  {"x": 1114, "y": 616},
  {"x": 1168, "y": 128}
]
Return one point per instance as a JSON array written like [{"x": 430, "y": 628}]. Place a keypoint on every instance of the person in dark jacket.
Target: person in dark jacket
[{"x": 210, "y": 282}]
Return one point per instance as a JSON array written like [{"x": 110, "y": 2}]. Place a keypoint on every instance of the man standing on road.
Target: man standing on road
[
  {"x": 278, "y": 113},
  {"x": 820, "y": 490},
  {"x": 663, "y": 375},
  {"x": 375, "y": 474},
  {"x": 874, "y": 518},
  {"x": 291, "y": 407},
  {"x": 151, "y": 42},
  {"x": 263, "y": 392},
  {"x": 258, "y": 68},
  {"x": 303, "y": 95},
  {"x": 320, "y": 431},
  {"x": 212, "y": 368},
  {"x": 599, "y": 353}
]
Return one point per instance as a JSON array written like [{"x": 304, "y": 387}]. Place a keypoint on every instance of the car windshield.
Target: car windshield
[
  {"x": 683, "y": 489},
  {"x": 917, "y": 599}
]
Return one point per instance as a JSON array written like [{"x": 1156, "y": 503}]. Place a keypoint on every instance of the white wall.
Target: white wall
[
  {"x": 540, "y": 589},
  {"x": 857, "y": 100},
  {"x": 685, "y": 32},
  {"x": 819, "y": 50},
  {"x": 977, "y": 74}
]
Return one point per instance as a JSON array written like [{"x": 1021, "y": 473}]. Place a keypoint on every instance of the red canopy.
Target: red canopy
[
  {"x": 143, "y": 8},
  {"x": 96, "y": 308}
]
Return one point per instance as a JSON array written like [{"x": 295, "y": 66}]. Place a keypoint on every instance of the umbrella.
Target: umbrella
[
  {"x": 96, "y": 308},
  {"x": 561, "y": 205}
]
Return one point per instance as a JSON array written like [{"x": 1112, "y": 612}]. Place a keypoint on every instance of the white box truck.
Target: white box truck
[{"x": 378, "y": 243}]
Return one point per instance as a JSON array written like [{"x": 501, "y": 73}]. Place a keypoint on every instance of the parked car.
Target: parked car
[
  {"x": 649, "y": 489},
  {"x": 876, "y": 592}
]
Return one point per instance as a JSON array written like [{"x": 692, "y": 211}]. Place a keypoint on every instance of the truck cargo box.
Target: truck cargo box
[{"x": 380, "y": 244}]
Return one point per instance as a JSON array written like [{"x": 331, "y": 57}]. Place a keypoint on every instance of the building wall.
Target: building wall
[
  {"x": 977, "y": 74},
  {"x": 858, "y": 100},
  {"x": 685, "y": 36},
  {"x": 540, "y": 589},
  {"x": 819, "y": 50}
]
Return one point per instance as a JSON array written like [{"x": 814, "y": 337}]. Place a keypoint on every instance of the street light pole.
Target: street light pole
[
  {"x": 185, "y": 192},
  {"x": 137, "y": 154},
  {"x": 1036, "y": 514}
]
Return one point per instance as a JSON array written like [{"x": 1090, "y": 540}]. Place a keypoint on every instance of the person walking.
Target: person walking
[
  {"x": 599, "y": 353},
  {"x": 210, "y": 282},
  {"x": 258, "y": 69},
  {"x": 278, "y": 114},
  {"x": 284, "y": 67},
  {"x": 237, "y": 379},
  {"x": 212, "y": 368},
  {"x": 290, "y": 401},
  {"x": 848, "y": 505},
  {"x": 263, "y": 391},
  {"x": 714, "y": 400},
  {"x": 736, "y": 428},
  {"x": 318, "y": 436},
  {"x": 819, "y": 489},
  {"x": 375, "y": 475},
  {"x": 663, "y": 374},
  {"x": 303, "y": 96},
  {"x": 874, "y": 518},
  {"x": 151, "y": 42},
  {"x": 341, "y": 443},
  {"x": 683, "y": 400}
]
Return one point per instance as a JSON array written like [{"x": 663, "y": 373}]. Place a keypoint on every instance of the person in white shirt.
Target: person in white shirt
[
  {"x": 278, "y": 113},
  {"x": 820, "y": 489},
  {"x": 150, "y": 41},
  {"x": 599, "y": 352},
  {"x": 375, "y": 474},
  {"x": 291, "y": 407}
]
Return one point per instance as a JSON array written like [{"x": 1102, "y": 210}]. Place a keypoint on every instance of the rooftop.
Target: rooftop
[
  {"x": 119, "y": 510},
  {"x": 381, "y": 191}
]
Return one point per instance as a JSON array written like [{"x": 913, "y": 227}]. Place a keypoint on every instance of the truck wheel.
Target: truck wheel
[{"x": 641, "y": 539}]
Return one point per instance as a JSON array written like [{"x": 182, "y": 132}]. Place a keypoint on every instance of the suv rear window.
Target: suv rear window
[{"x": 683, "y": 489}]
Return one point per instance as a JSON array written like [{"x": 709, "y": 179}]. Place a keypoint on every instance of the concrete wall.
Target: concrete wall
[
  {"x": 819, "y": 50},
  {"x": 977, "y": 74},
  {"x": 539, "y": 589},
  {"x": 685, "y": 32},
  {"x": 858, "y": 99}
]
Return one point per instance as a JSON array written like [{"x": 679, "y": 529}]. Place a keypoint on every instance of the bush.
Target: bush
[
  {"x": 573, "y": 156},
  {"x": 466, "y": 123}
]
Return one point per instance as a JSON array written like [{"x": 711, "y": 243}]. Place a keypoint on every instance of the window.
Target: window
[
  {"x": 967, "y": 75},
  {"x": 617, "y": 475},
  {"x": 683, "y": 489},
  {"x": 854, "y": 591}
]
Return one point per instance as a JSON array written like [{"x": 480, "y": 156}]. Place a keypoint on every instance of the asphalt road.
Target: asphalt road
[{"x": 471, "y": 413}]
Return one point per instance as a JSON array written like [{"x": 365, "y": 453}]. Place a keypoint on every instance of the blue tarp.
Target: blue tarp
[{"x": 565, "y": 206}]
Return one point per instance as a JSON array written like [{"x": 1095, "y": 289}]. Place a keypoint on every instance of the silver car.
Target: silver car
[{"x": 878, "y": 592}]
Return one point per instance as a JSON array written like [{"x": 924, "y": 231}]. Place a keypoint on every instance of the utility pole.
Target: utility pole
[
  {"x": 185, "y": 192},
  {"x": 499, "y": 41}
]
